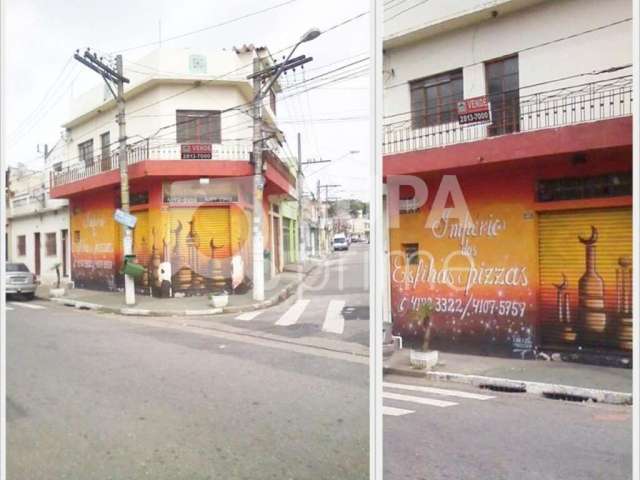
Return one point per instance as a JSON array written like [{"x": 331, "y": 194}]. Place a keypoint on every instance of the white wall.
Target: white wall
[
  {"x": 48, "y": 222},
  {"x": 472, "y": 45},
  {"x": 154, "y": 107}
]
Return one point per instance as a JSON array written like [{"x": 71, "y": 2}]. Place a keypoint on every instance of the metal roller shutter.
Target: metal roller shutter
[
  {"x": 585, "y": 278},
  {"x": 193, "y": 231}
]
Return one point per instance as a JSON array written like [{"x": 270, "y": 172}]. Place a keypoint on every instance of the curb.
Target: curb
[
  {"x": 141, "y": 312},
  {"x": 545, "y": 390}
]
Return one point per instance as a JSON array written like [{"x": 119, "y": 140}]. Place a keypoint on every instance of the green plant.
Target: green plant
[
  {"x": 420, "y": 323},
  {"x": 56, "y": 267}
]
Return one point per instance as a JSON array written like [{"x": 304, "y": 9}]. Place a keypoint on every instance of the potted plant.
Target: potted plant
[
  {"x": 219, "y": 298},
  {"x": 57, "y": 292},
  {"x": 421, "y": 324}
]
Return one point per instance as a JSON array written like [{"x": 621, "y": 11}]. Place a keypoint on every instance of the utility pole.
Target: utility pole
[
  {"x": 323, "y": 207},
  {"x": 300, "y": 181},
  {"x": 117, "y": 78},
  {"x": 268, "y": 75}
]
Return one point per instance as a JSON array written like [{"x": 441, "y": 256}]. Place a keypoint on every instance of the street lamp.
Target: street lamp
[{"x": 258, "y": 178}]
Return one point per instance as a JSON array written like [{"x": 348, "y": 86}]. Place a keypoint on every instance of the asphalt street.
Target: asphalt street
[
  {"x": 93, "y": 396},
  {"x": 439, "y": 431}
]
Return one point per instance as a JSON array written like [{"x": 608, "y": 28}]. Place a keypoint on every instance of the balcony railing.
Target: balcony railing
[
  {"x": 552, "y": 108},
  {"x": 139, "y": 152}
]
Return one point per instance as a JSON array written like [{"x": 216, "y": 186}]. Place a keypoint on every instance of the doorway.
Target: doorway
[
  {"x": 64, "y": 234},
  {"x": 37, "y": 253}
]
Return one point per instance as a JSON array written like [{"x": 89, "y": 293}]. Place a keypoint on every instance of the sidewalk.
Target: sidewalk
[
  {"x": 277, "y": 289},
  {"x": 534, "y": 376}
]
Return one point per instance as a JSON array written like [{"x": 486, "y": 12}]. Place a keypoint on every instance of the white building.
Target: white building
[
  {"x": 518, "y": 113},
  {"x": 553, "y": 43},
  {"x": 189, "y": 142},
  {"x": 38, "y": 226}
]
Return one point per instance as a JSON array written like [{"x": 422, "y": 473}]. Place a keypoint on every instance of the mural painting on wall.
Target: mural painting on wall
[
  {"x": 475, "y": 264},
  {"x": 201, "y": 251},
  {"x": 93, "y": 249},
  {"x": 589, "y": 304}
]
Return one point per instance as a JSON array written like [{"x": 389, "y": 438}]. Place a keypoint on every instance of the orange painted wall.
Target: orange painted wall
[{"x": 484, "y": 285}]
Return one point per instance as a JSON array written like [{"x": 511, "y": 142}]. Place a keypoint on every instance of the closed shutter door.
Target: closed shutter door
[
  {"x": 585, "y": 278},
  {"x": 141, "y": 238},
  {"x": 190, "y": 246}
]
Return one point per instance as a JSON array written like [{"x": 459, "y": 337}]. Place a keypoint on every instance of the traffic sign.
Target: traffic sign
[{"x": 124, "y": 218}]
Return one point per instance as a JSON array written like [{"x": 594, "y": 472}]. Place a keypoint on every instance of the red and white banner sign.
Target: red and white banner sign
[
  {"x": 474, "y": 110},
  {"x": 196, "y": 151}
]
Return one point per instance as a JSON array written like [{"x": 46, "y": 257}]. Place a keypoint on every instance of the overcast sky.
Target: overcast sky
[{"x": 42, "y": 35}]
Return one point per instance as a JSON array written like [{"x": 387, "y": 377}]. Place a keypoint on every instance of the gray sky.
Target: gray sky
[{"x": 42, "y": 35}]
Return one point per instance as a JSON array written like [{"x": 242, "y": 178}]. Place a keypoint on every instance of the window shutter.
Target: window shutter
[{"x": 418, "y": 106}]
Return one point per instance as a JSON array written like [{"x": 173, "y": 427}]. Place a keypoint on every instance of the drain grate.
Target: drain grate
[
  {"x": 567, "y": 397},
  {"x": 504, "y": 388}
]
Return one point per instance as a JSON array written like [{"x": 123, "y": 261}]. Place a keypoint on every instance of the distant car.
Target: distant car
[
  {"x": 340, "y": 242},
  {"x": 20, "y": 280}
]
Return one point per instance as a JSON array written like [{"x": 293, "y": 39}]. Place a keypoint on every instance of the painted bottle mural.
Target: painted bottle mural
[
  {"x": 623, "y": 310},
  {"x": 592, "y": 318}
]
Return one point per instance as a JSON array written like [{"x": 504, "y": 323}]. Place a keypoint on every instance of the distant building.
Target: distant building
[
  {"x": 189, "y": 150},
  {"x": 37, "y": 229},
  {"x": 523, "y": 106}
]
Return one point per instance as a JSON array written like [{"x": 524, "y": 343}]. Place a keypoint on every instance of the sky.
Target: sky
[{"x": 42, "y": 36}]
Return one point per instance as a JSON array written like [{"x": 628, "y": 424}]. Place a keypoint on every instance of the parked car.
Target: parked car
[
  {"x": 20, "y": 280},
  {"x": 340, "y": 242}
]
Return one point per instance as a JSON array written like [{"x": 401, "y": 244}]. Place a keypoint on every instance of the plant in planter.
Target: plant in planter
[
  {"x": 57, "y": 292},
  {"x": 219, "y": 298},
  {"x": 421, "y": 324}
]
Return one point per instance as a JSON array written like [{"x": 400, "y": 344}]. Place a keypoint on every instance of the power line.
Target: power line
[
  {"x": 210, "y": 27},
  {"x": 538, "y": 45},
  {"x": 404, "y": 11}
]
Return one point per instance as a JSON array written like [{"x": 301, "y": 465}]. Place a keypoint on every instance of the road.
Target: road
[
  {"x": 94, "y": 396},
  {"x": 459, "y": 432}
]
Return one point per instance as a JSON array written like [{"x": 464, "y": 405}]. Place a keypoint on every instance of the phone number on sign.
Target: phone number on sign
[{"x": 501, "y": 308}]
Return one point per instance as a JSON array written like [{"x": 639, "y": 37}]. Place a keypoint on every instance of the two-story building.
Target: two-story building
[
  {"x": 516, "y": 116},
  {"x": 190, "y": 168},
  {"x": 37, "y": 228}
]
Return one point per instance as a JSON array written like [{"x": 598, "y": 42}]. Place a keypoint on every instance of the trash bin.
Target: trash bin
[{"x": 129, "y": 267}]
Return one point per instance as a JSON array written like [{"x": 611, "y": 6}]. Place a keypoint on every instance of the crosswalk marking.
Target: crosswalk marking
[
  {"x": 421, "y": 400},
  {"x": 247, "y": 316},
  {"x": 333, "y": 320},
  {"x": 292, "y": 315},
  {"x": 28, "y": 305},
  {"x": 395, "y": 412},
  {"x": 437, "y": 391}
]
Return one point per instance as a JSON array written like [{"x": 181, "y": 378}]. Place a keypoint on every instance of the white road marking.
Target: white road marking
[
  {"x": 292, "y": 315},
  {"x": 8, "y": 308},
  {"x": 28, "y": 305},
  {"x": 421, "y": 400},
  {"x": 246, "y": 316},
  {"x": 395, "y": 412},
  {"x": 437, "y": 391},
  {"x": 333, "y": 320}
]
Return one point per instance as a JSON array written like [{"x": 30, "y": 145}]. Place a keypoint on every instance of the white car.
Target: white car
[{"x": 340, "y": 243}]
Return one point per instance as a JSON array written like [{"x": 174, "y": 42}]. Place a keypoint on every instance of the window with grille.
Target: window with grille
[
  {"x": 50, "y": 244},
  {"x": 503, "y": 90},
  {"x": 434, "y": 100},
  {"x": 85, "y": 152},
  {"x": 22, "y": 245},
  {"x": 198, "y": 126}
]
